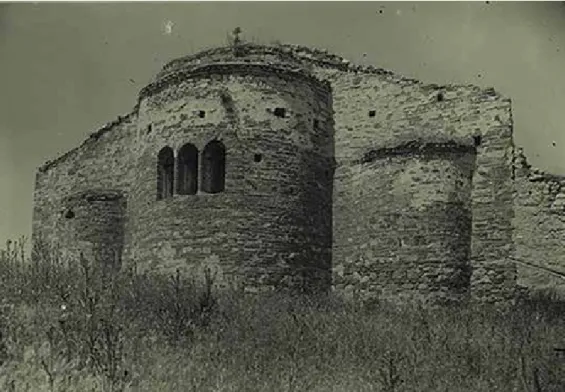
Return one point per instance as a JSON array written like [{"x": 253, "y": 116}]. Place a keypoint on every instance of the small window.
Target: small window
[
  {"x": 478, "y": 140},
  {"x": 149, "y": 129},
  {"x": 201, "y": 114},
  {"x": 280, "y": 112},
  {"x": 316, "y": 124},
  {"x": 372, "y": 113},
  {"x": 419, "y": 240},
  {"x": 440, "y": 97},
  {"x": 257, "y": 158}
]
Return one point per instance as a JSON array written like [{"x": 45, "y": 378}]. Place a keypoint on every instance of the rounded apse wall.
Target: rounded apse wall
[
  {"x": 269, "y": 222},
  {"x": 92, "y": 223},
  {"x": 403, "y": 224}
]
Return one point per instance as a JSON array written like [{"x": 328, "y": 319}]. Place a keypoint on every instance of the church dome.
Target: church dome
[{"x": 279, "y": 56}]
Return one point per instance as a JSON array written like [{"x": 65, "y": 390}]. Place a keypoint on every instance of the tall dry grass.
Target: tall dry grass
[{"x": 69, "y": 326}]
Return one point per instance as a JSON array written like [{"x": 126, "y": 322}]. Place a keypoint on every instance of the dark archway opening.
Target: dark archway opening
[
  {"x": 187, "y": 170},
  {"x": 165, "y": 173},
  {"x": 213, "y": 167}
]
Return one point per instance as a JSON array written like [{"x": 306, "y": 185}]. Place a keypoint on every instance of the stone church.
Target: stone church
[{"x": 283, "y": 165}]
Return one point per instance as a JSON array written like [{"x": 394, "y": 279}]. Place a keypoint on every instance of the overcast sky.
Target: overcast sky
[{"x": 66, "y": 69}]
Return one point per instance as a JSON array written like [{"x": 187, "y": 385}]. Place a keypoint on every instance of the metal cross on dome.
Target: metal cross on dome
[{"x": 236, "y": 32}]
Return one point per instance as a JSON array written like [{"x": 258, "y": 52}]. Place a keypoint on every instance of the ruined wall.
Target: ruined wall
[
  {"x": 412, "y": 234},
  {"x": 375, "y": 111},
  {"x": 103, "y": 161},
  {"x": 274, "y": 217},
  {"x": 539, "y": 223}
]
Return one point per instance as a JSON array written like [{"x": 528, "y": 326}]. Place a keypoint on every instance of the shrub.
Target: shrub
[{"x": 77, "y": 326}]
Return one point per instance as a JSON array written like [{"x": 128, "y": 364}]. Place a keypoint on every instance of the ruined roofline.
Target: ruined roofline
[
  {"x": 92, "y": 137},
  {"x": 317, "y": 57},
  {"x": 534, "y": 174},
  {"x": 233, "y": 68},
  {"x": 323, "y": 59}
]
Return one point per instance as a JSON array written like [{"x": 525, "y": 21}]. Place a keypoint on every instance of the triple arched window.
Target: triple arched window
[{"x": 212, "y": 170}]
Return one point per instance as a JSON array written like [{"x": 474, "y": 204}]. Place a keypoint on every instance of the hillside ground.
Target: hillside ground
[{"x": 78, "y": 328}]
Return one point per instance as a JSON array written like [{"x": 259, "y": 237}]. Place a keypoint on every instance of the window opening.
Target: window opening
[
  {"x": 165, "y": 173},
  {"x": 187, "y": 170},
  {"x": 213, "y": 167}
]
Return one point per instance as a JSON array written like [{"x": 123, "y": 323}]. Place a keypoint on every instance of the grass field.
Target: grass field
[{"x": 82, "y": 329}]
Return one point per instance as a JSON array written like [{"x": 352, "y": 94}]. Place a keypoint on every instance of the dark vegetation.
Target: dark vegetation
[{"x": 66, "y": 325}]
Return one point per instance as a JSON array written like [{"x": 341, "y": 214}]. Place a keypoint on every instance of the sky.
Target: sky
[{"x": 68, "y": 68}]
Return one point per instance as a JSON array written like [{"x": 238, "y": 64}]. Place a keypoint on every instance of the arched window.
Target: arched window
[
  {"x": 213, "y": 167},
  {"x": 165, "y": 173},
  {"x": 187, "y": 170}
]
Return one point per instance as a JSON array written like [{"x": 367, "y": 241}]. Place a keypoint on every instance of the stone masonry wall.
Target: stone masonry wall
[
  {"x": 273, "y": 220},
  {"x": 539, "y": 223},
  {"x": 375, "y": 108},
  {"x": 93, "y": 224},
  {"x": 375, "y": 111},
  {"x": 102, "y": 162},
  {"x": 412, "y": 235},
  {"x": 276, "y": 216}
]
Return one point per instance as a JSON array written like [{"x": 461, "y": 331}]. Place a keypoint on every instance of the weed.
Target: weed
[{"x": 72, "y": 325}]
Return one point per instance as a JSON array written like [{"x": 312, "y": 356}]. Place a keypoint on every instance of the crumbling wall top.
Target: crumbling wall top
[
  {"x": 303, "y": 57},
  {"x": 248, "y": 67},
  {"x": 92, "y": 138},
  {"x": 533, "y": 174},
  {"x": 282, "y": 59}
]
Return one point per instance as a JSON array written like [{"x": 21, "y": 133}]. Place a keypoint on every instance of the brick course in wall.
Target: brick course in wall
[{"x": 335, "y": 174}]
